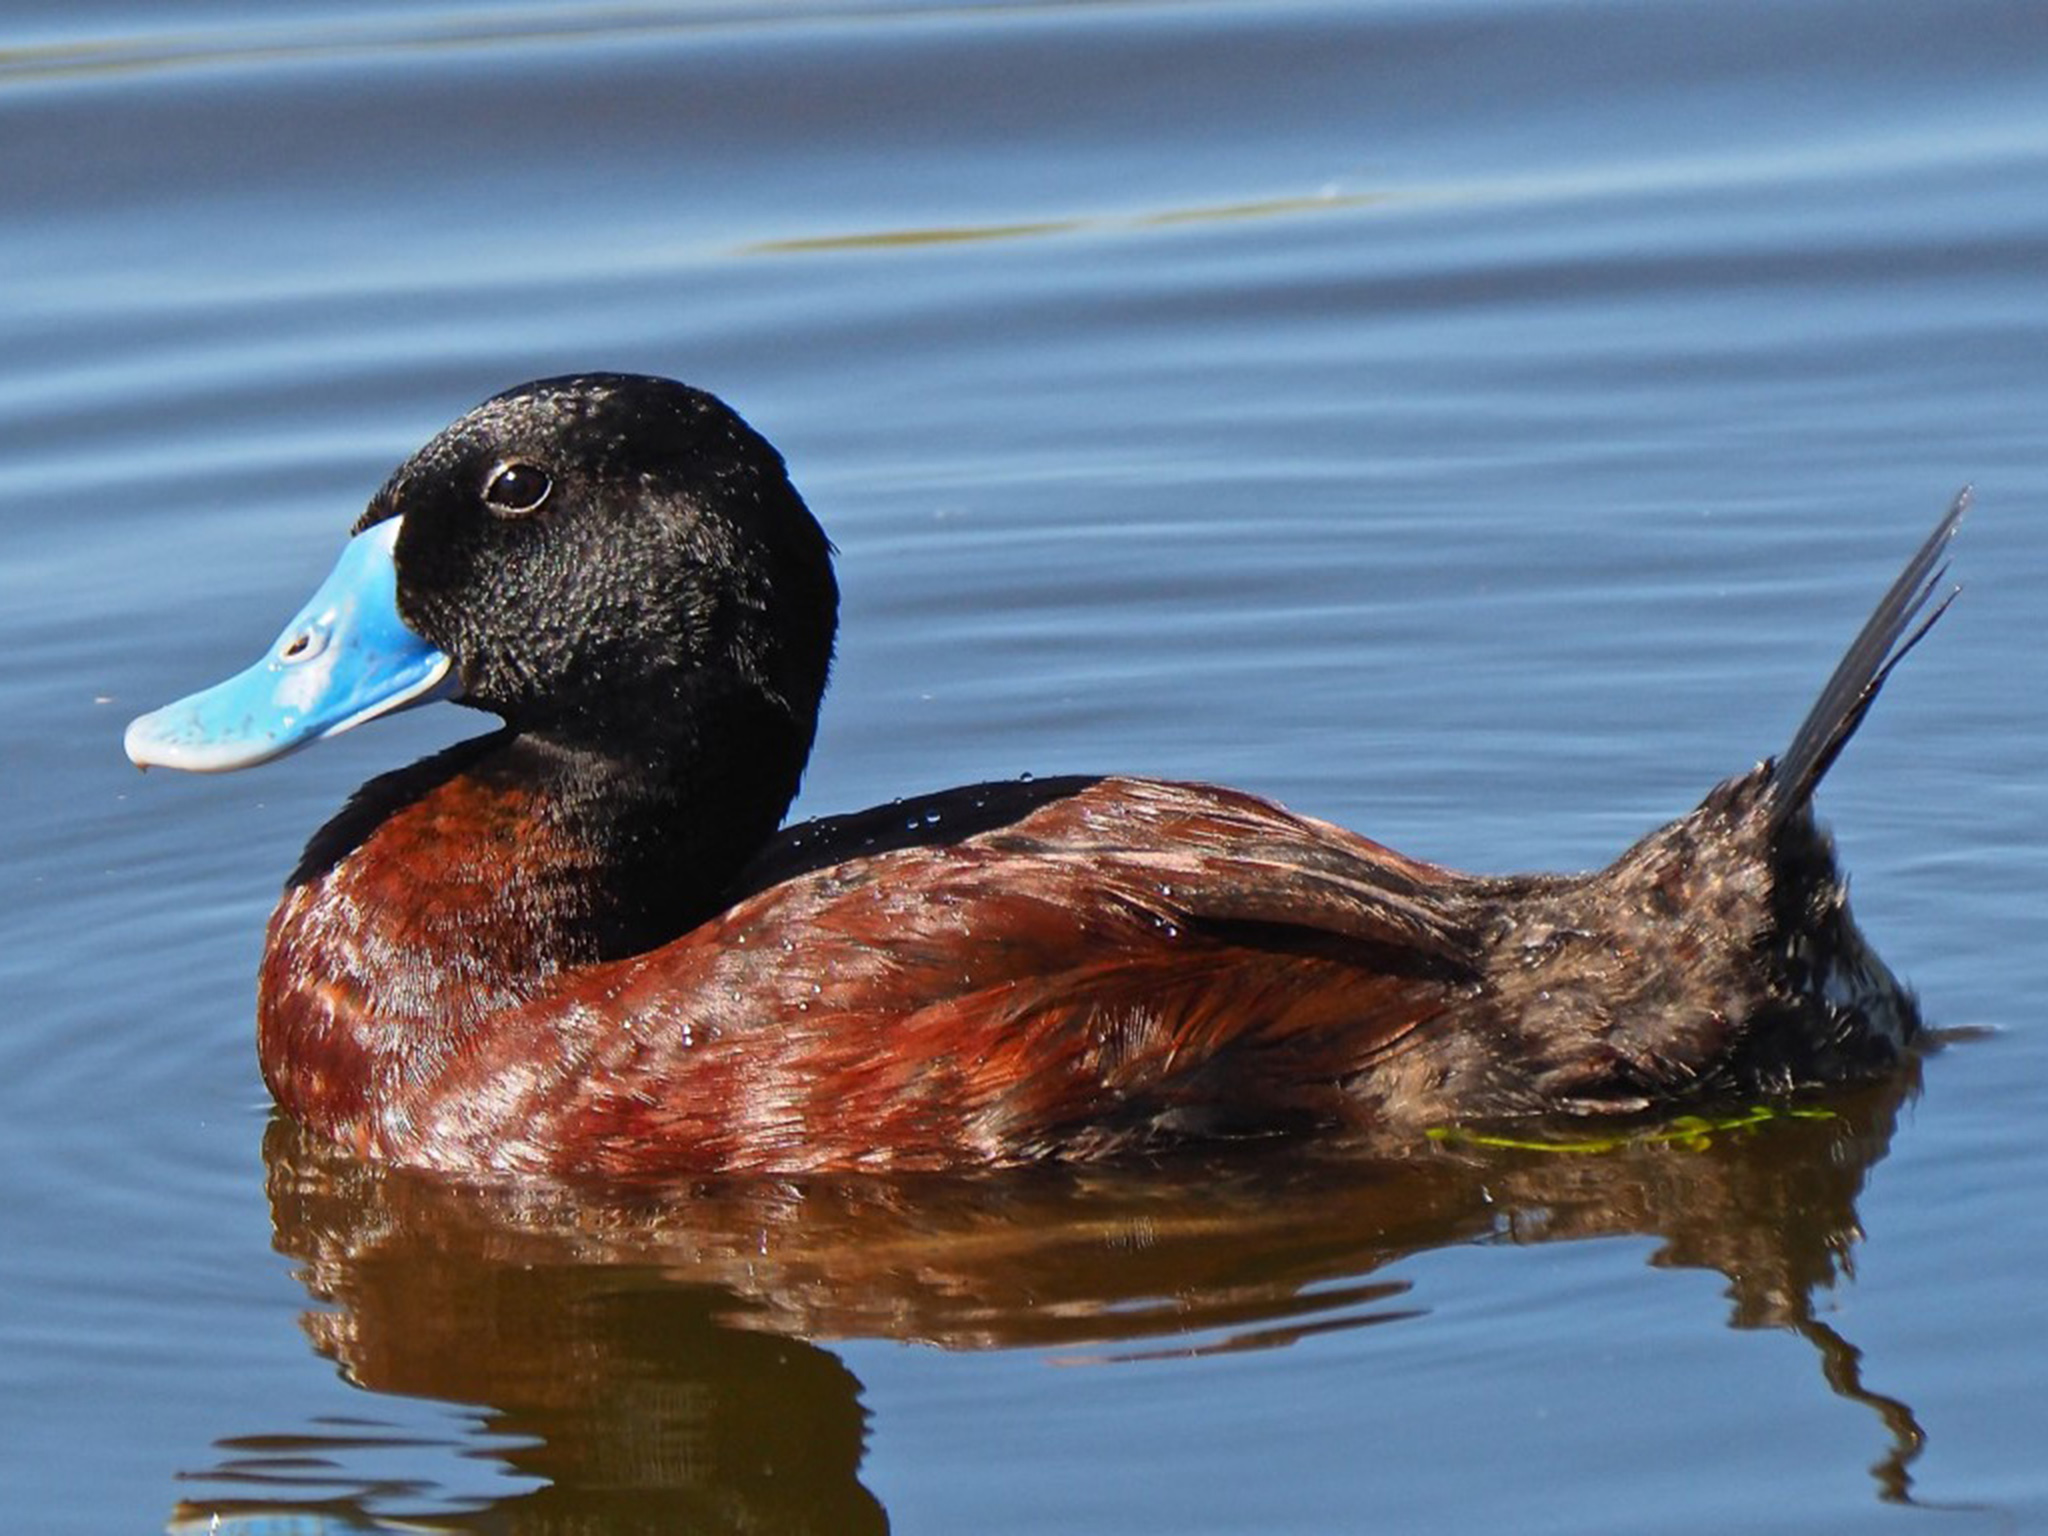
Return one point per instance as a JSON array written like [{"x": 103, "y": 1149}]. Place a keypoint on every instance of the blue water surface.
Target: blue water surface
[{"x": 1479, "y": 423}]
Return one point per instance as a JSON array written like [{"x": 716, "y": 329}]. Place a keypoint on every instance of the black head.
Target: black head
[{"x": 612, "y": 558}]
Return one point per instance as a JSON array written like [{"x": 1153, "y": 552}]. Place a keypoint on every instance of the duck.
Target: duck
[{"x": 583, "y": 945}]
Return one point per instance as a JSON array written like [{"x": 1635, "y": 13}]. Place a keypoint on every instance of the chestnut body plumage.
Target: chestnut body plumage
[{"x": 580, "y": 946}]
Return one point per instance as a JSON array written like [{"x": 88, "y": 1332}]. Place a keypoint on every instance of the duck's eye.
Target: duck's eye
[{"x": 517, "y": 490}]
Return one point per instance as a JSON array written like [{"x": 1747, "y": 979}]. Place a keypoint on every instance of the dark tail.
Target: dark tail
[{"x": 1883, "y": 643}]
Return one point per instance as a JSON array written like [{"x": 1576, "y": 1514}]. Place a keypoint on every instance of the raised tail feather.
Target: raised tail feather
[{"x": 1882, "y": 644}]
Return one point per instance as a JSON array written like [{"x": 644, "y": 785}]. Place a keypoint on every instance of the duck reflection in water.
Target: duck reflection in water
[{"x": 659, "y": 1360}]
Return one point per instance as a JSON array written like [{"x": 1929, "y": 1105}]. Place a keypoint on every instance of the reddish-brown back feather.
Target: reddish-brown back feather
[{"x": 1126, "y": 962}]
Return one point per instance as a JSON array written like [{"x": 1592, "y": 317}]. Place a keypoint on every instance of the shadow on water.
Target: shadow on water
[{"x": 654, "y": 1362}]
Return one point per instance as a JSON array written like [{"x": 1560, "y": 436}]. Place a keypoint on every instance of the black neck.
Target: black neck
[
  {"x": 670, "y": 821},
  {"x": 595, "y": 854}
]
